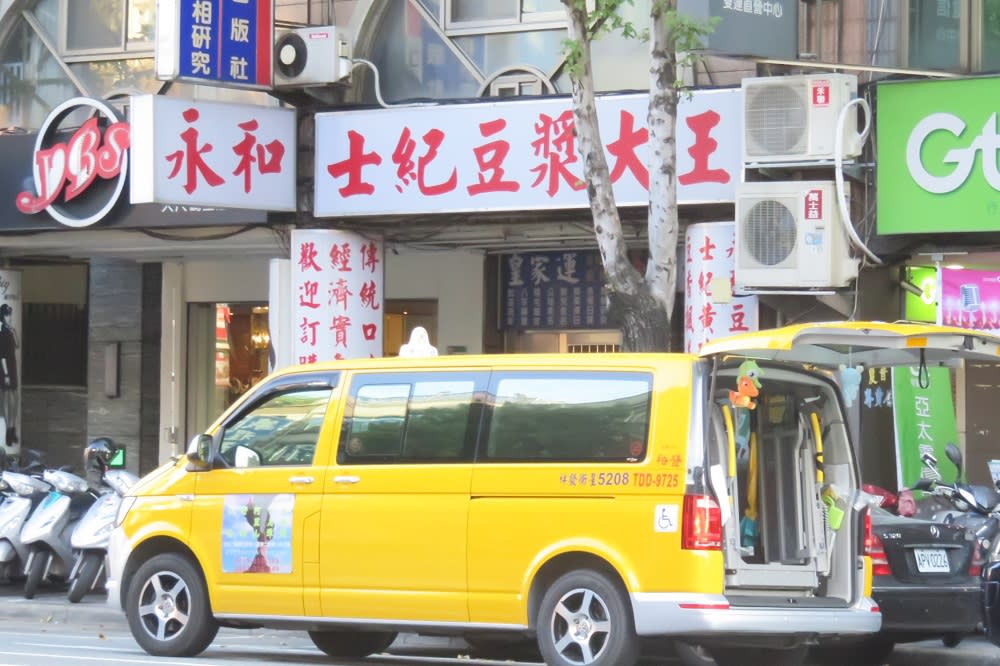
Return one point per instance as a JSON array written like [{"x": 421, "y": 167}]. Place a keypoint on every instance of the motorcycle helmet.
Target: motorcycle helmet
[{"x": 98, "y": 454}]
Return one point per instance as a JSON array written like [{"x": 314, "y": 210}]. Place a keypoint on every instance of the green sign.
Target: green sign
[
  {"x": 924, "y": 306},
  {"x": 937, "y": 156},
  {"x": 924, "y": 413},
  {"x": 118, "y": 459}
]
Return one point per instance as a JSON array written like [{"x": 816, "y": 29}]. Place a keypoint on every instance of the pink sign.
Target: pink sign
[
  {"x": 710, "y": 268},
  {"x": 337, "y": 281},
  {"x": 969, "y": 299}
]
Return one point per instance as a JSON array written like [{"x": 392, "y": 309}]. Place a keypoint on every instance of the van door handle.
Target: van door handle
[
  {"x": 301, "y": 480},
  {"x": 346, "y": 479}
]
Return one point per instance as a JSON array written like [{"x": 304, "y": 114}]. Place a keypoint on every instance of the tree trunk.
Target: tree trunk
[{"x": 644, "y": 324}]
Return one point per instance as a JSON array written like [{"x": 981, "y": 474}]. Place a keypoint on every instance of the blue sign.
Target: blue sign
[
  {"x": 553, "y": 290},
  {"x": 226, "y": 41}
]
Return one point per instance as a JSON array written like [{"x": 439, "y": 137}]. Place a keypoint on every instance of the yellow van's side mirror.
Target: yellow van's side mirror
[{"x": 199, "y": 453}]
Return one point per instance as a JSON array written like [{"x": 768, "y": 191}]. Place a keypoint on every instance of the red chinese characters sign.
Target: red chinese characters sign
[
  {"x": 710, "y": 310},
  {"x": 212, "y": 154},
  {"x": 337, "y": 293},
  {"x": 514, "y": 156}
]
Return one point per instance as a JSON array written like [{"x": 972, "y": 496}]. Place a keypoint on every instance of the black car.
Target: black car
[{"x": 926, "y": 581}]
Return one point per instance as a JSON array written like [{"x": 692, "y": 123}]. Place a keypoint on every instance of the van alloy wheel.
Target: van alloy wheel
[
  {"x": 168, "y": 608},
  {"x": 584, "y": 620}
]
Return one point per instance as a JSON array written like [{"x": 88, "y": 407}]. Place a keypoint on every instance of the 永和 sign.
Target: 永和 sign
[
  {"x": 517, "y": 155},
  {"x": 212, "y": 154},
  {"x": 337, "y": 293},
  {"x": 225, "y": 42}
]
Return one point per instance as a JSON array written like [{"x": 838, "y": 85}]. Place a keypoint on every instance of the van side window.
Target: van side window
[
  {"x": 425, "y": 418},
  {"x": 282, "y": 430},
  {"x": 568, "y": 416}
]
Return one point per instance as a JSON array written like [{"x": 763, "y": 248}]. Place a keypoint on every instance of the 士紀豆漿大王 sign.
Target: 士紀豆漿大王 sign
[{"x": 937, "y": 169}]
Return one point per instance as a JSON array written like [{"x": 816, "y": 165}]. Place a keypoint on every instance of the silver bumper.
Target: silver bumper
[
  {"x": 117, "y": 556},
  {"x": 672, "y": 614}
]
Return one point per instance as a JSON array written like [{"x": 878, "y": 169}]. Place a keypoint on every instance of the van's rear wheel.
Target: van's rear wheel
[
  {"x": 352, "y": 644},
  {"x": 168, "y": 609},
  {"x": 585, "y": 620}
]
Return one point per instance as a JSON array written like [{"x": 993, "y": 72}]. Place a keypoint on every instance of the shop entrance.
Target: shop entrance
[
  {"x": 982, "y": 420},
  {"x": 561, "y": 342}
]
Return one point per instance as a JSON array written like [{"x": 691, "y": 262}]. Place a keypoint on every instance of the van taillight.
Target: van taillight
[
  {"x": 875, "y": 550},
  {"x": 976, "y": 565},
  {"x": 701, "y": 526}
]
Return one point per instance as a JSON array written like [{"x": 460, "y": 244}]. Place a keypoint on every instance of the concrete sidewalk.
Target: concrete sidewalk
[{"x": 51, "y": 607}]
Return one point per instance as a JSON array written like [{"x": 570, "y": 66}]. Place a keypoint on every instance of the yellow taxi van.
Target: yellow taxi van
[{"x": 579, "y": 501}]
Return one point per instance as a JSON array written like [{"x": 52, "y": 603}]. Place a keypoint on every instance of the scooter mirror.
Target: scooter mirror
[
  {"x": 955, "y": 456},
  {"x": 923, "y": 484}
]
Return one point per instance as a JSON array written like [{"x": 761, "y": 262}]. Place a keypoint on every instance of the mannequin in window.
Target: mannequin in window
[{"x": 9, "y": 392}]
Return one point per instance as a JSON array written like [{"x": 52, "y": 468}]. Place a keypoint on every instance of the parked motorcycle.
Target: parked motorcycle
[
  {"x": 21, "y": 493},
  {"x": 91, "y": 536},
  {"x": 48, "y": 529}
]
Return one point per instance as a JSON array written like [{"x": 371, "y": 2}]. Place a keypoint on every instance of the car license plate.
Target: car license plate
[{"x": 932, "y": 560}]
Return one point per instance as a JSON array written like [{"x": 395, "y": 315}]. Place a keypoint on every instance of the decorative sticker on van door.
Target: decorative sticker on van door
[{"x": 257, "y": 533}]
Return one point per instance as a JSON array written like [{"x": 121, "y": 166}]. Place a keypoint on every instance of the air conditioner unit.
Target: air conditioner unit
[
  {"x": 794, "y": 118},
  {"x": 315, "y": 56},
  {"x": 789, "y": 237}
]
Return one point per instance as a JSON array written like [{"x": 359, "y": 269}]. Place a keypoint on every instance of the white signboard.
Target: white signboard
[
  {"x": 212, "y": 154},
  {"x": 337, "y": 293},
  {"x": 710, "y": 309},
  {"x": 10, "y": 361},
  {"x": 514, "y": 155}
]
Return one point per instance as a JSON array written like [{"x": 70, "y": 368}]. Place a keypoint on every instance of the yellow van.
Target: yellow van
[{"x": 579, "y": 501}]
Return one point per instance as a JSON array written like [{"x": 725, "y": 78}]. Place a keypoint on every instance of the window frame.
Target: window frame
[
  {"x": 480, "y": 380},
  {"x": 482, "y": 454},
  {"x": 539, "y": 21},
  {"x": 281, "y": 385},
  {"x": 125, "y": 48}
]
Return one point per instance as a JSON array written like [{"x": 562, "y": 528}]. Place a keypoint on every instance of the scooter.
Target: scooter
[
  {"x": 93, "y": 533},
  {"x": 22, "y": 492},
  {"x": 49, "y": 528}
]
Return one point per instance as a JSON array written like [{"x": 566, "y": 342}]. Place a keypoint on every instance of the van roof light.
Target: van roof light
[{"x": 419, "y": 344}]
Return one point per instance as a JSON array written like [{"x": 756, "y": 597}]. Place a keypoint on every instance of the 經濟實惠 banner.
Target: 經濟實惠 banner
[
  {"x": 969, "y": 299},
  {"x": 924, "y": 415}
]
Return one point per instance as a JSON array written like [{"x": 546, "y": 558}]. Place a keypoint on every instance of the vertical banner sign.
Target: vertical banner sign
[
  {"x": 710, "y": 309},
  {"x": 10, "y": 360},
  {"x": 222, "y": 42},
  {"x": 223, "y": 315},
  {"x": 970, "y": 299},
  {"x": 337, "y": 292},
  {"x": 924, "y": 413},
  {"x": 553, "y": 290}
]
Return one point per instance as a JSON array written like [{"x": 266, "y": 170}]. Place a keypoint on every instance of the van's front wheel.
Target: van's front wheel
[
  {"x": 168, "y": 609},
  {"x": 584, "y": 620}
]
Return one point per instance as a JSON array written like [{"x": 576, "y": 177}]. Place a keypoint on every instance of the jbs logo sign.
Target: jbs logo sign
[
  {"x": 79, "y": 180},
  {"x": 958, "y": 162}
]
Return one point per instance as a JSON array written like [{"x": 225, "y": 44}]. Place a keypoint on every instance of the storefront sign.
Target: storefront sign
[
  {"x": 212, "y": 154},
  {"x": 922, "y": 307},
  {"x": 79, "y": 180},
  {"x": 924, "y": 413},
  {"x": 970, "y": 299},
  {"x": 337, "y": 293},
  {"x": 710, "y": 309},
  {"x": 10, "y": 360},
  {"x": 221, "y": 42},
  {"x": 553, "y": 290},
  {"x": 937, "y": 156},
  {"x": 768, "y": 29},
  {"x": 516, "y": 155}
]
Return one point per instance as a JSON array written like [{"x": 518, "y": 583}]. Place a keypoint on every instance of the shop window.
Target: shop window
[
  {"x": 402, "y": 315},
  {"x": 490, "y": 14},
  {"x": 54, "y": 344},
  {"x": 108, "y": 26},
  {"x": 935, "y": 33}
]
